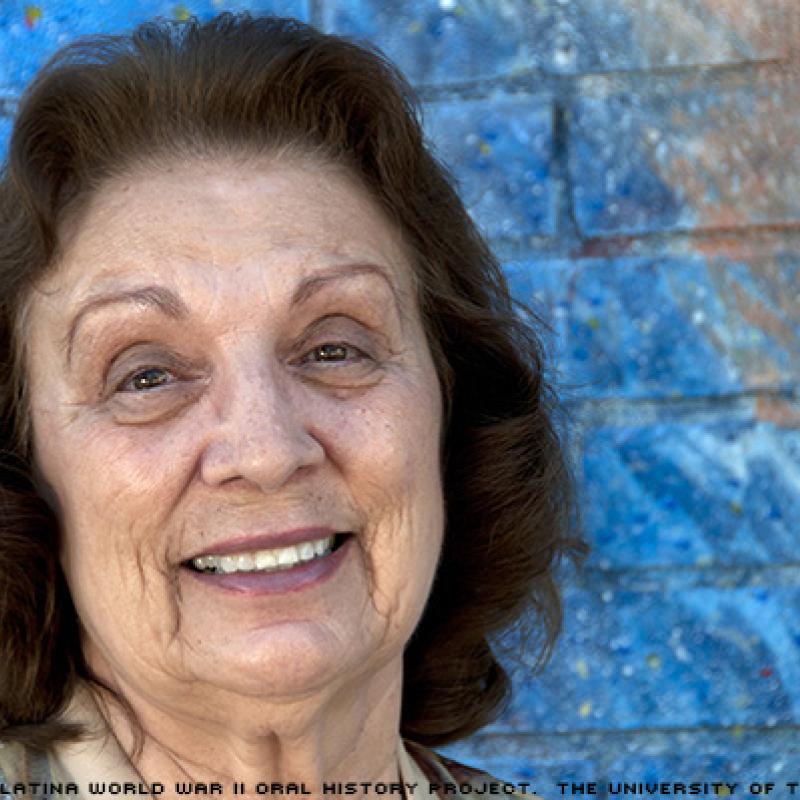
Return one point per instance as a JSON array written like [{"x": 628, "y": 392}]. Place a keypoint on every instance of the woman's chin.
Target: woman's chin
[{"x": 282, "y": 661}]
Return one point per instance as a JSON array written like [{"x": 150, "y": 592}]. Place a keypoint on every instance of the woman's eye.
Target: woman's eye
[
  {"x": 338, "y": 364},
  {"x": 335, "y": 352},
  {"x": 145, "y": 379}
]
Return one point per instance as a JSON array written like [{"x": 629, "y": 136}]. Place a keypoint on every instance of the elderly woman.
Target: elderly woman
[{"x": 278, "y": 460}]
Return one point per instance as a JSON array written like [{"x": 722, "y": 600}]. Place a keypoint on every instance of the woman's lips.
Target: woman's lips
[
  {"x": 264, "y": 541},
  {"x": 303, "y": 576}
]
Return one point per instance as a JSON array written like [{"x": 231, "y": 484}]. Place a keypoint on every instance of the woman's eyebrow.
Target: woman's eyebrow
[
  {"x": 158, "y": 297},
  {"x": 169, "y": 303},
  {"x": 313, "y": 283}
]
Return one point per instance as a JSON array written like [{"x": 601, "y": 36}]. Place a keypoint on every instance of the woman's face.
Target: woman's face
[{"x": 228, "y": 368}]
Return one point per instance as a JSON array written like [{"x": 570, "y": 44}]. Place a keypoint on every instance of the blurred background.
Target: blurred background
[{"x": 636, "y": 165}]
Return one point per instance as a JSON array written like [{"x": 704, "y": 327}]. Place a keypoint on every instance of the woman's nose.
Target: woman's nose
[{"x": 262, "y": 433}]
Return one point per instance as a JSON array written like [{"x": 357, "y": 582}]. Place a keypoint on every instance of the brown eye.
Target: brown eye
[
  {"x": 334, "y": 352},
  {"x": 145, "y": 379},
  {"x": 338, "y": 363}
]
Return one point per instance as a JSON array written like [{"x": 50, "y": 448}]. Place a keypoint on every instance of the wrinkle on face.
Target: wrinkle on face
[{"x": 143, "y": 495}]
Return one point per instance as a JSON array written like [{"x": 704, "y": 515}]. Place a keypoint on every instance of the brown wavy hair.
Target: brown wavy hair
[{"x": 246, "y": 84}]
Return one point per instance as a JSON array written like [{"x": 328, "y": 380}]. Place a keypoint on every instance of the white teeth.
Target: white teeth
[
  {"x": 228, "y": 564},
  {"x": 307, "y": 551},
  {"x": 265, "y": 560}
]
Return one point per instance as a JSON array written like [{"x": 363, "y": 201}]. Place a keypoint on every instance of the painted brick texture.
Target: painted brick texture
[
  {"x": 503, "y": 147},
  {"x": 30, "y": 32},
  {"x": 695, "y": 146},
  {"x": 635, "y": 165},
  {"x": 672, "y": 326}
]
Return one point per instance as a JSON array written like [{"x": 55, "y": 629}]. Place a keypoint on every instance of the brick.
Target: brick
[
  {"x": 686, "y": 153},
  {"x": 718, "y": 493},
  {"x": 449, "y": 40},
  {"x": 672, "y": 656},
  {"x": 693, "y": 326},
  {"x": 543, "y": 774},
  {"x": 500, "y": 152},
  {"x": 446, "y": 41},
  {"x": 31, "y": 32},
  {"x": 610, "y": 35},
  {"x": 733, "y": 755},
  {"x": 736, "y": 766}
]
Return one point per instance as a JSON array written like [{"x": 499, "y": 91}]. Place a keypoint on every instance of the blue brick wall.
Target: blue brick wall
[{"x": 635, "y": 165}]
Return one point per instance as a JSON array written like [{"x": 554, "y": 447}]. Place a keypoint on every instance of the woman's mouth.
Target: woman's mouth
[
  {"x": 271, "y": 569},
  {"x": 271, "y": 560}
]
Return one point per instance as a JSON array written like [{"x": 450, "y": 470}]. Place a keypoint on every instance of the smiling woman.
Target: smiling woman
[
  {"x": 262, "y": 397},
  {"x": 277, "y": 458}
]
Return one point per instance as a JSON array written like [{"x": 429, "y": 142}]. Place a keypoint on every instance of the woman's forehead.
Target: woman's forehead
[{"x": 292, "y": 215}]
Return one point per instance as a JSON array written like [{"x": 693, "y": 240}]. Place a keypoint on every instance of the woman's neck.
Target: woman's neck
[{"x": 349, "y": 735}]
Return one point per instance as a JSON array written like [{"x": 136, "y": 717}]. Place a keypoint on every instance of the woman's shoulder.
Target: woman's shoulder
[{"x": 441, "y": 770}]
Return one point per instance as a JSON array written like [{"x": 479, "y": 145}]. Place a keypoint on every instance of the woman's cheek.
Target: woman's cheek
[
  {"x": 404, "y": 488},
  {"x": 118, "y": 494},
  {"x": 140, "y": 463}
]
